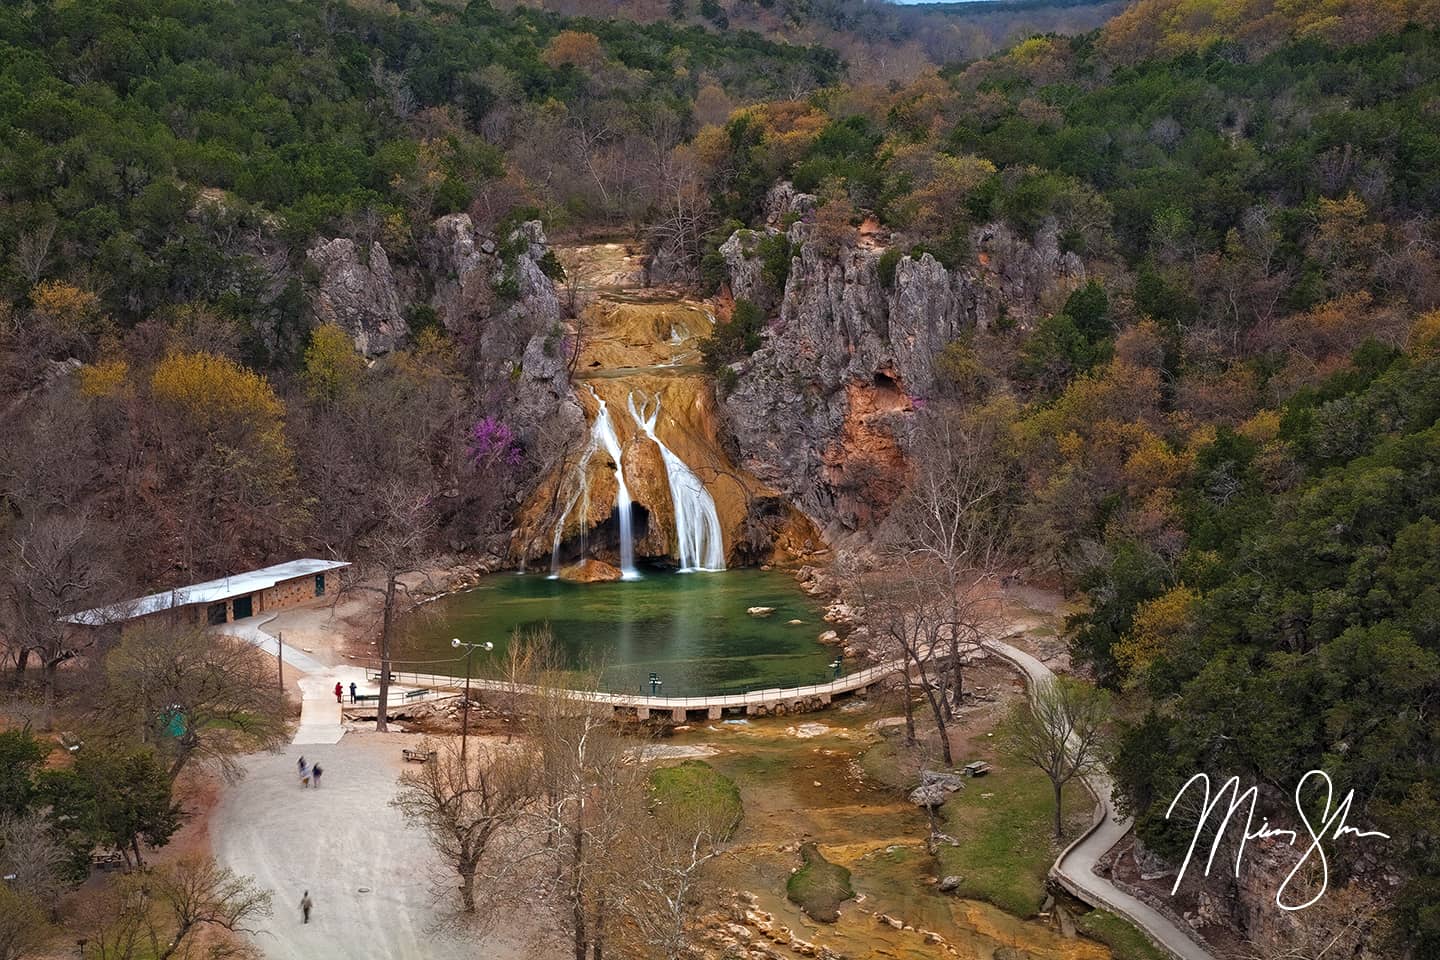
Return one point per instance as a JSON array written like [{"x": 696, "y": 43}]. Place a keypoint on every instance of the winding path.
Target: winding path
[{"x": 1074, "y": 869}]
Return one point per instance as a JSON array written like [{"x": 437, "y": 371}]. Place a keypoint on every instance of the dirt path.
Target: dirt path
[{"x": 369, "y": 875}]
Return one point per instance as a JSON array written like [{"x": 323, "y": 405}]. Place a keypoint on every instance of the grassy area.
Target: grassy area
[
  {"x": 694, "y": 791},
  {"x": 1004, "y": 823},
  {"x": 1124, "y": 941},
  {"x": 820, "y": 886}
]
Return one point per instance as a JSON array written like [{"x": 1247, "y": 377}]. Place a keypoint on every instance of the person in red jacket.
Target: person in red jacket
[{"x": 339, "y": 692}]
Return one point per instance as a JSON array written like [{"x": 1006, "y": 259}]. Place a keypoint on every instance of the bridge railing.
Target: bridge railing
[{"x": 843, "y": 684}]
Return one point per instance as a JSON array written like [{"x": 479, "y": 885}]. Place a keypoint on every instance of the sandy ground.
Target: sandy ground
[{"x": 337, "y": 841}]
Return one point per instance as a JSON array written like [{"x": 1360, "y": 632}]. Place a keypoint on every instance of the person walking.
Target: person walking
[
  {"x": 339, "y": 692},
  {"x": 300, "y": 766},
  {"x": 352, "y": 691},
  {"x": 305, "y": 904},
  {"x": 304, "y": 775},
  {"x": 316, "y": 771}
]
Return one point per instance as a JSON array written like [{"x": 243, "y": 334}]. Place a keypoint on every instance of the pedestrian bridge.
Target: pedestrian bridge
[{"x": 778, "y": 700}]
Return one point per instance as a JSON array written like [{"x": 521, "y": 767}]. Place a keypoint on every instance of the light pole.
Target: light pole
[{"x": 470, "y": 648}]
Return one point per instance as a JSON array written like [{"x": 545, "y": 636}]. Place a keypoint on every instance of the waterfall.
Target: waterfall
[
  {"x": 697, "y": 525},
  {"x": 605, "y": 431},
  {"x": 602, "y": 433}
]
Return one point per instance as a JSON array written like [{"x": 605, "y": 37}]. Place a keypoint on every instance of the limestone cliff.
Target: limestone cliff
[
  {"x": 822, "y": 410},
  {"x": 493, "y": 295},
  {"x": 358, "y": 292}
]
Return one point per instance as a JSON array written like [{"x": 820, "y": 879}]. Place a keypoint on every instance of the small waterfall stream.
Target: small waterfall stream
[
  {"x": 602, "y": 434},
  {"x": 605, "y": 431},
  {"x": 700, "y": 543}
]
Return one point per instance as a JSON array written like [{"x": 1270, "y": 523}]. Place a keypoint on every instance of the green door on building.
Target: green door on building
[{"x": 244, "y": 607}]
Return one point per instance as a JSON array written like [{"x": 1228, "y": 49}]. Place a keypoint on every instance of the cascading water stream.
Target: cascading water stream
[
  {"x": 605, "y": 431},
  {"x": 602, "y": 433},
  {"x": 697, "y": 524}
]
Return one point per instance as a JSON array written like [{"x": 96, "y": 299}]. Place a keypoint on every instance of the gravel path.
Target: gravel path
[{"x": 336, "y": 841}]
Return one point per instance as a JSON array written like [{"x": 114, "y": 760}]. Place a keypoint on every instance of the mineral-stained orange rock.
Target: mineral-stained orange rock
[
  {"x": 866, "y": 462},
  {"x": 643, "y": 351},
  {"x": 590, "y": 570}
]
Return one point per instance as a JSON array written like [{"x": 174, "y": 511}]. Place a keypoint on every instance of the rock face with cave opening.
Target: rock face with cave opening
[{"x": 651, "y": 480}]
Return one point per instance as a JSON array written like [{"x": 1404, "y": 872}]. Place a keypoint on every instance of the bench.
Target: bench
[
  {"x": 418, "y": 756},
  {"x": 367, "y": 698},
  {"x": 416, "y": 693}
]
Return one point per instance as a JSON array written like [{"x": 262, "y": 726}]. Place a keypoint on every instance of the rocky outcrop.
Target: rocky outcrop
[
  {"x": 742, "y": 266},
  {"x": 823, "y": 410},
  {"x": 494, "y": 297},
  {"x": 357, "y": 292}
]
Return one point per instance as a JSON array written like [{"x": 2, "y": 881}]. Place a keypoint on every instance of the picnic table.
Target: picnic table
[{"x": 418, "y": 756}]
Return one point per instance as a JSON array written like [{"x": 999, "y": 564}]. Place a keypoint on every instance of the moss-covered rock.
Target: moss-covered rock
[{"x": 819, "y": 887}]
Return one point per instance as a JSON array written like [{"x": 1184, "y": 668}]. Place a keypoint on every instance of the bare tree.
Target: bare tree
[
  {"x": 464, "y": 802},
  {"x": 526, "y": 657},
  {"x": 194, "y": 695},
  {"x": 668, "y": 877},
  {"x": 30, "y": 856},
  {"x": 159, "y": 913},
  {"x": 908, "y": 611},
  {"x": 196, "y": 893},
  {"x": 32, "y": 252},
  {"x": 951, "y": 530},
  {"x": 55, "y": 568},
  {"x": 1060, "y": 730},
  {"x": 566, "y": 820},
  {"x": 590, "y": 787},
  {"x": 396, "y": 546}
]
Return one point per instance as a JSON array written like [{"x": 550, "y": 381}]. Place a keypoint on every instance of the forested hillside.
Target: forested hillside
[
  {"x": 120, "y": 119},
  {"x": 1222, "y": 436},
  {"x": 881, "y": 41},
  {"x": 1215, "y": 415}
]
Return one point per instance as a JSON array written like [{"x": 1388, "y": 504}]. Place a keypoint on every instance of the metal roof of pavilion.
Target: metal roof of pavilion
[{"x": 211, "y": 591}]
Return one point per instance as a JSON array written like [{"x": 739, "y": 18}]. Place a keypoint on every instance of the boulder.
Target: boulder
[
  {"x": 950, "y": 883},
  {"x": 759, "y": 611},
  {"x": 929, "y": 795},
  {"x": 590, "y": 571},
  {"x": 948, "y": 781}
]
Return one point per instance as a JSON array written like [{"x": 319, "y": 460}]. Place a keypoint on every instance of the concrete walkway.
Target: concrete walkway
[
  {"x": 1074, "y": 869},
  {"x": 320, "y": 714},
  {"x": 372, "y": 877}
]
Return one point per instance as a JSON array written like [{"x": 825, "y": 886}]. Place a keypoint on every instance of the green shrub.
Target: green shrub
[
  {"x": 734, "y": 339},
  {"x": 889, "y": 260},
  {"x": 775, "y": 254}
]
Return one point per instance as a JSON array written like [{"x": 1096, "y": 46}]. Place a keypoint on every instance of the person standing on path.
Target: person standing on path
[
  {"x": 316, "y": 771},
  {"x": 339, "y": 692},
  {"x": 305, "y": 905},
  {"x": 352, "y": 691}
]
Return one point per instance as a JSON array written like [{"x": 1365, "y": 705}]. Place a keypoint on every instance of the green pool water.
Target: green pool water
[{"x": 690, "y": 628}]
